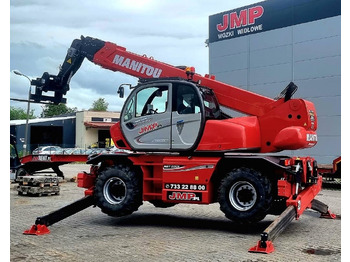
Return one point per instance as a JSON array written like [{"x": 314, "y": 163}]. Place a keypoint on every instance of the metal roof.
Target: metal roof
[{"x": 38, "y": 120}]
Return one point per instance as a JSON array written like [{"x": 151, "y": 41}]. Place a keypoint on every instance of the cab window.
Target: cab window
[
  {"x": 151, "y": 100},
  {"x": 211, "y": 105},
  {"x": 185, "y": 100},
  {"x": 130, "y": 110}
]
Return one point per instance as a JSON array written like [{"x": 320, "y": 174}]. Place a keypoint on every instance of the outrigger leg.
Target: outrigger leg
[
  {"x": 42, "y": 223},
  {"x": 296, "y": 205},
  {"x": 265, "y": 244},
  {"x": 323, "y": 209}
]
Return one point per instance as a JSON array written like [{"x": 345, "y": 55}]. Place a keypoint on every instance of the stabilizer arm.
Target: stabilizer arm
[{"x": 42, "y": 223}]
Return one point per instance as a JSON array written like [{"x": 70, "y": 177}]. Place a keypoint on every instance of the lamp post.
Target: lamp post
[{"x": 28, "y": 109}]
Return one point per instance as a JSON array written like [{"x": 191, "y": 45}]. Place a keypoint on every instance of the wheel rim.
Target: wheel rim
[
  {"x": 242, "y": 195},
  {"x": 114, "y": 190}
]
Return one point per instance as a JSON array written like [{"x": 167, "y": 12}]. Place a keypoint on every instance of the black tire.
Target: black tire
[
  {"x": 161, "y": 204},
  {"x": 245, "y": 196},
  {"x": 118, "y": 191}
]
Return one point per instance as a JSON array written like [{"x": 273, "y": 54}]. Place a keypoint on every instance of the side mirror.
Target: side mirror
[{"x": 121, "y": 91}]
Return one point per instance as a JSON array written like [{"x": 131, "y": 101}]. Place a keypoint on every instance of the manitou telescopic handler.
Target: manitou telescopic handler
[{"x": 180, "y": 147}]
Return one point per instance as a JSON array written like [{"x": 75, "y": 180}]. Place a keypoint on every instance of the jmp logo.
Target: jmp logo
[
  {"x": 148, "y": 128},
  {"x": 244, "y": 18},
  {"x": 185, "y": 196}
]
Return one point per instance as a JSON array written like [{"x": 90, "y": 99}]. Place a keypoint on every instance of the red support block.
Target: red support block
[
  {"x": 264, "y": 247},
  {"x": 86, "y": 180},
  {"x": 37, "y": 230},
  {"x": 328, "y": 215}
]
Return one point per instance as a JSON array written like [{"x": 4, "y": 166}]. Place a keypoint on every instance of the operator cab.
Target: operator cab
[{"x": 167, "y": 116}]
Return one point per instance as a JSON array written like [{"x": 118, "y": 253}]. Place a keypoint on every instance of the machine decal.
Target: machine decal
[
  {"x": 312, "y": 115},
  {"x": 141, "y": 121},
  {"x": 41, "y": 158},
  {"x": 176, "y": 168},
  {"x": 148, "y": 128},
  {"x": 169, "y": 167},
  {"x": 311, "y": 137},
  {"x": 180, "y": 126},
  {"x": 185, "y": 187},
  {"x": 312, "y": 119},
  {"x": 160, "y": 140},
  {"x": 184, "y": 196},
  {"x": 137, "y": 66}
]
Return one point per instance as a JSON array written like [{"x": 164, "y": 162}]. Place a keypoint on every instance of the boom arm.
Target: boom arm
[{"x": 117, "y": 58}]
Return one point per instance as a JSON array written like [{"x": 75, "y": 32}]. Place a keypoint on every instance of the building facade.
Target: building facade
[
  {"x": 58, "y": 131},
  {"x": 264, "y": 46},
  {"x": 92, "y": 128}
]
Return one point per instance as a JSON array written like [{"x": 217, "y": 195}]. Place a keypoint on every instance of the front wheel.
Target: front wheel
[
  {"x": 118, "y": 191},
  {"x": 245, "y": 196}
]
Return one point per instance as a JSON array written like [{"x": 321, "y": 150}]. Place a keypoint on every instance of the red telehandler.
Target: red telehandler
[{"x": 180, "y": 147}]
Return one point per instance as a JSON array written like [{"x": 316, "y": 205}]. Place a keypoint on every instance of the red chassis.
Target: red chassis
[{"x": 193, "y": 179}]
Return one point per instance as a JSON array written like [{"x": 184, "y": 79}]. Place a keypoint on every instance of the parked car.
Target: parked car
[{"x": 47, "y": 150}]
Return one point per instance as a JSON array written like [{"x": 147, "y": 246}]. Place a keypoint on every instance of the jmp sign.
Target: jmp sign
[
  {"x": 244, "y": 21},
  {"x": 269, "y": 15}
]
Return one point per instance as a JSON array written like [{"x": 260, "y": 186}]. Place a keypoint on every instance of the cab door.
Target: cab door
[
  {"x": 146, "y": 118},
  {"x": 187, "y": 116}
]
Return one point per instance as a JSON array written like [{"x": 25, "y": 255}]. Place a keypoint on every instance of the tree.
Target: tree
[
  {"x": 51, "y": 110},
  {"x": 99, "y": 105},
  {"x": 17, "y": 113}
]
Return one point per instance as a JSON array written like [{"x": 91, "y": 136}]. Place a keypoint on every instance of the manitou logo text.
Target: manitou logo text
[
  {"x": 244, "y": 22},
  {"x": 185, "y": 196},
  {"x": 137, "y": 66}
]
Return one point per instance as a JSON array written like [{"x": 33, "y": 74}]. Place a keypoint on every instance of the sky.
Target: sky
[{"x": 41, "y": 31}]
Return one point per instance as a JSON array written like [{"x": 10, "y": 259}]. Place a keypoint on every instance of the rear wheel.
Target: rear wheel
[
  {"x": 245, "y": 196},
  {"x": 118, "y": 191}
]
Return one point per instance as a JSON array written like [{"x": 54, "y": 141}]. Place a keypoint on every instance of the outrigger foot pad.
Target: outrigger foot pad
[
  {"x": 323, "y": 209},
  {"x": 265, "y": 247},
  {"x": 37, "y": 230},
  {"x": 328, "y": 215}
]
